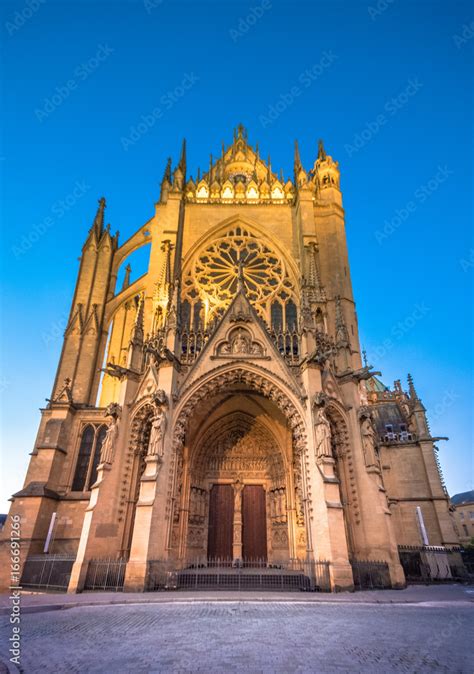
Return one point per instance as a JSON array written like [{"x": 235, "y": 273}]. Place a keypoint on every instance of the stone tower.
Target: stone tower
[{"x": 217, "y": 406}]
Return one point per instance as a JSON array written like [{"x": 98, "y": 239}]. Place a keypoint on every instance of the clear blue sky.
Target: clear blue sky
[{"x": 390, "y": 91}]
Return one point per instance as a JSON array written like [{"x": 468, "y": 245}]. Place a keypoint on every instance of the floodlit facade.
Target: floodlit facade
[{"x": 217, "y": 407}]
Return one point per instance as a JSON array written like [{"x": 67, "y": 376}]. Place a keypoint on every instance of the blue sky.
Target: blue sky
[{"x": 98, "y": 94}]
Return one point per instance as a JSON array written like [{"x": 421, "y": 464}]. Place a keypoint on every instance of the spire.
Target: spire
[
  {"x": 314, "y": 280},
  {"x": 211, "y": 161},
  {"x": 98, "y": 224},
  {"x": 240, "y": 132},
  {"x": 166, "y": 182},
  {"x": 269, "y": 163},
  {"x": 166, "y": 274},
  {"x": 321, "y": 151},
  {"x": 137, "y": 330},
  {"x": 182, "y": 160},
  {"x": 167, "y": 173},
  {"x": 411, "y": 388},
  {"x": 297, "y": 161},
  {"x": 126, "y": 278}
]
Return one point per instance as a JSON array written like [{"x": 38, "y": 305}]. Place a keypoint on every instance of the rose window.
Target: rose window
[{"x": 238, "y": 257}]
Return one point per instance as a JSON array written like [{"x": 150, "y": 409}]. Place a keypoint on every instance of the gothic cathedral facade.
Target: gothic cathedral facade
[{"x": 218, "y": 406}]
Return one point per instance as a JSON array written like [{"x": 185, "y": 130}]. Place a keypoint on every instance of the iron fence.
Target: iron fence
[
  {"x": 105, "y": 574},
  {"x": 432, "y": 564},
  {"x": 47, "y": 572},
  {"x": 370, "y": 575},
  {"x": 227, "y": 574}
]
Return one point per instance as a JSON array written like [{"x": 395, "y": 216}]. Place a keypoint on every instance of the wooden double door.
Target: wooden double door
[{"x": 222, "y": 522}]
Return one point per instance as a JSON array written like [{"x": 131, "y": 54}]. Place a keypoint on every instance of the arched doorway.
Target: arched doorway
[{"x": 238, "y": 490}]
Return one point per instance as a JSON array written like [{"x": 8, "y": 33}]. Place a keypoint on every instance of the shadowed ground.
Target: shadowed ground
[{"x": 427, "y": 630}]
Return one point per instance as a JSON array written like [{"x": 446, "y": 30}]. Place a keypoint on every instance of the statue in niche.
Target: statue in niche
[
  {"x": 157, "y": 434},
  {"x": 368, "y": 442},
  {"x": 323, "y": 435},
  {"x": 239, "y": 345},
  {"x": 108, "y": 446}
]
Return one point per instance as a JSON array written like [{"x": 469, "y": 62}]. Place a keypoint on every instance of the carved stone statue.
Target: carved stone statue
[
  {"x": 157, "y": 434},
  {"x": 323, "y": 435},
  {"x": 108, "y": 446},
  {"x": 239, "y": 345},
  {"x": 368, "y": 442}
]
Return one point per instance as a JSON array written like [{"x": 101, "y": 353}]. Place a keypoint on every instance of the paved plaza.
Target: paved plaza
[{"x": 218, "y": 635}]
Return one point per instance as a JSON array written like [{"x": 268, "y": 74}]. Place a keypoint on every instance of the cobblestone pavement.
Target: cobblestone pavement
[{"x": 248, "y": 637}]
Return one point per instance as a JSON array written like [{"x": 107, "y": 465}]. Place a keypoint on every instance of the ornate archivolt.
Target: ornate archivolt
[
  {"x": 222, "y": 383},
  {"x": 219, "y": 383},
  {"x": 212, "y": 275}
]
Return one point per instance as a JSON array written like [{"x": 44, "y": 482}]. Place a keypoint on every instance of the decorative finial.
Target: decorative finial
[
  {"x": 321, "y": 151},
  {"x": 269, "y": 163},
  {"x": 98, "y": 224},
  {"x": 241, "y": 132},
  {"x": 182, "y": 161},
  {"x": 411, "y": 388},
  {"x": 297, "y": 161},
  {"x": 364, "y": 356},
  {"x": 126, "y": 278},
  {"x": 167, "y": 173}
]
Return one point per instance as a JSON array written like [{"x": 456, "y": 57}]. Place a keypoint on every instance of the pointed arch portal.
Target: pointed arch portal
[{"x": 238, "y": 489}]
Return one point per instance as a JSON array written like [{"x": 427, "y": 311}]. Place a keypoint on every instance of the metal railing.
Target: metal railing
[
  {"x": 227, "y": 574},
  {"x": 105, "y": 574},
  {"x": 432, "y": 564},
  {"x": 370, "y": 575},
  {"x": 47, "y": 572}
]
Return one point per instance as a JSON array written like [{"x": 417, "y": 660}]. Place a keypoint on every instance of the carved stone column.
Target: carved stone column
[{"x": 237, "y": 528}]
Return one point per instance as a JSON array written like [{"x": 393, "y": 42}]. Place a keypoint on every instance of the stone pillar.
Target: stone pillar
[
  {"x": 237, "y": 528},
  {"x": 79, "y": 568}
]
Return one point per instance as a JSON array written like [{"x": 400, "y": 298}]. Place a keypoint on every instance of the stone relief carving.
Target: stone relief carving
[{"x": 240, "y": 343}]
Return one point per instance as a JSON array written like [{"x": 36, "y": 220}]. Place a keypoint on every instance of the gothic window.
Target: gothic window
[
  {"x": 277, "y": 316},
  {"x": 185, "y": 314},
  {"x": 100, "y": 436},
  {"x": 290, "y": 310},
  {"x": 88, "y": 458},
  {"x": 212, "y": 276},
  {"x": 319, "y": 320}
]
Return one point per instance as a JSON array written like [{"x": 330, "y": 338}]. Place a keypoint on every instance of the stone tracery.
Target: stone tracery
[{"x": 214, "y": 274}]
